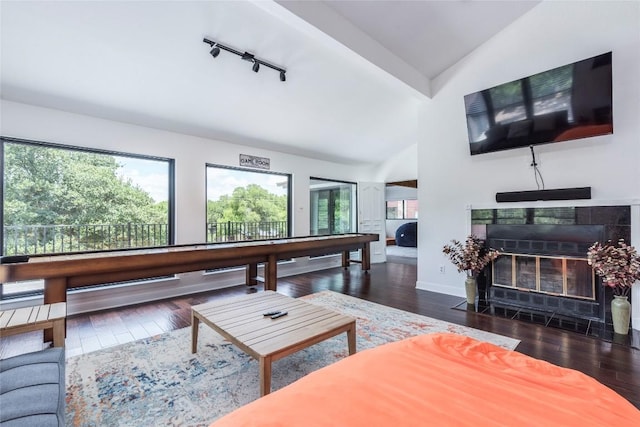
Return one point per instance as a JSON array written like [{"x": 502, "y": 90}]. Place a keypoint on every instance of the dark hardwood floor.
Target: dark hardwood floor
[{"x": 391, "y": 284}]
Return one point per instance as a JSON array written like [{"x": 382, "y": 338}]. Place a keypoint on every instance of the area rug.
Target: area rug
[{"x": 157, "y": 381}]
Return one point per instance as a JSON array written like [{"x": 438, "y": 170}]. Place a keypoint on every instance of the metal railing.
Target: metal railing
[
  {"x": 49, "y": 239},
  {"x": 230, "y": 231}
]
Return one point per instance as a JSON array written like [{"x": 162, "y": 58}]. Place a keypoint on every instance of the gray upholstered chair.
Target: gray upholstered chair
[{"x": 32, "y": 389}]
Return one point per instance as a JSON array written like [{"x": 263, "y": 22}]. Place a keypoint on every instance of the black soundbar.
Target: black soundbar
[{"x": 557, "y": 194}]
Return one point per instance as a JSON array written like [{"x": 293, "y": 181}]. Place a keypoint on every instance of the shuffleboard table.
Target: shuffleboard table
[{"x": 76, "y": 270}]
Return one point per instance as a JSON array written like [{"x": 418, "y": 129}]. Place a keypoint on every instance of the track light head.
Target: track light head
[
  {"x": 247, "y": 56},
  {"x": 256, "y": 66},
  {"x": 215, "y": 51},
  {"x": 283, "y": 77}
]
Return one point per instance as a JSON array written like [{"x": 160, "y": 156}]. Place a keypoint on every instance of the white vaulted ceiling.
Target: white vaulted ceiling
[{"x": 357, "y": 71}]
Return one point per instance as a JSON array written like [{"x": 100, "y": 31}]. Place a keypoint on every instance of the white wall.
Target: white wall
[
  {"x": 398, "y": 192},
  {"x": 190, "y": 154},
  {"x": 550, "y": 35},
  {"x": 401, "y": 167}
]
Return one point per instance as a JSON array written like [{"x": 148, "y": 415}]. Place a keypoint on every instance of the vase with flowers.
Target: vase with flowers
[
  {"x": 618, "y": 264},
  {"x": 471, "y": 258}
]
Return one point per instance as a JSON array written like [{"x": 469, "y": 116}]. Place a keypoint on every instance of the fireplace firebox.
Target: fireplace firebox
[
  {"x": 544, "y": 267},
  {"x": 543, "y": 276}
]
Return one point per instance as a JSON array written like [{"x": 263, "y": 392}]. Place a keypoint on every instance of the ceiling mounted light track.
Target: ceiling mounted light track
[{"x": 215, "y": 51}]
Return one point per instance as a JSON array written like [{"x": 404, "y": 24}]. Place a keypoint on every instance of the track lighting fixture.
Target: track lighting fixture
[{"x": 215, "y": 51}]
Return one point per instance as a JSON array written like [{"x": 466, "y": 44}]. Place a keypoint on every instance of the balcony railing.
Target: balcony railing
[
  {"x": 230, "y": 231},
  {"x": 50, "y": 239}
]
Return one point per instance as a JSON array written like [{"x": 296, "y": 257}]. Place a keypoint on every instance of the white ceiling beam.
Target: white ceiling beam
[{"x": 340, "y": 30}]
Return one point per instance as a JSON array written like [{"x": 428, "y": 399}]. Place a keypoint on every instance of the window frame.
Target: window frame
[
  {"x": 353, "y": 201},
  {"x": 260, "y": 171},
  {"x": 403, "y": 210},
  {"x": 171, "y": 203}
]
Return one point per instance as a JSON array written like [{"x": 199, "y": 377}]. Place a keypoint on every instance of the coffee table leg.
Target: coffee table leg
[
  {"x": 194, "y": 332},
  {"x": 265, "y": 376},
  {"x": 351, "y": 339}
]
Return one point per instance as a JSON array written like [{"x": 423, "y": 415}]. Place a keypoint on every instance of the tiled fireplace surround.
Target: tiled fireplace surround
[{"x": 543, "y": 275}]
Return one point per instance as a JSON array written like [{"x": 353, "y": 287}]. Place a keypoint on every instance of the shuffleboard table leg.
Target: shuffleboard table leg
[
  {"x": 346, "y": 259},
  {"x": 366, "y": 257},
  {"x": 252, "y": 274},
  {"x": 271, "y": 274}
]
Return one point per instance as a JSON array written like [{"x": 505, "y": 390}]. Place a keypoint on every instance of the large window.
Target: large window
[
  {"x": 332, "y": 207},
  {"x": 59, "y": 199},
  {"x": 246, "y": 205},
  {"x": 402, "y": 209}
]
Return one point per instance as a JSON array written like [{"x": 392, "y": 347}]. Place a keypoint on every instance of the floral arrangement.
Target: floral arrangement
[
  {"x": 471, "y": 257},
  {"x": 617, "y": 264}
]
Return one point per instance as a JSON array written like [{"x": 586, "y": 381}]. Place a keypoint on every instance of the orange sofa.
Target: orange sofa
[{"x": 439, "y": 380}]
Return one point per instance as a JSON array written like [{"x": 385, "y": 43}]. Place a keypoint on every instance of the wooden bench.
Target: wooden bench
[{"x": 39, "y": 317}]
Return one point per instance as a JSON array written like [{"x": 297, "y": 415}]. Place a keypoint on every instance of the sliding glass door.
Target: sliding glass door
[{"x": 332, "y": 207}]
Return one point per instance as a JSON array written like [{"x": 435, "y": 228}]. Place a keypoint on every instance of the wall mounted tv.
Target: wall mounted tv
[{"x": 569, "y": 102}]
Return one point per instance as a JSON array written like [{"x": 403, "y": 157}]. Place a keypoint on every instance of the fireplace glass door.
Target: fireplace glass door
[
  {"x": 565, "y": 276},
  {"x": 552, "y": 275},
  {"x": 502, "y": 271},
  {"x": 580, "y": 279}
]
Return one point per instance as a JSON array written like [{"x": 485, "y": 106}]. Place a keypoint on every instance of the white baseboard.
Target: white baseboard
[{"x": 457, "y": 291}]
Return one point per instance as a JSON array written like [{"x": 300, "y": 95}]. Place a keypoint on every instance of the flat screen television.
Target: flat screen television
[{"x": 569, "y": 102}]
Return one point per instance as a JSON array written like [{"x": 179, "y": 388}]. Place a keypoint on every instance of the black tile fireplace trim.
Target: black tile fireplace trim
[
  {"x": 616, "y": 219},
  {"x": 573, "y": 226},
  {"x": 553, "y": 304},
  {"x": 586, "y": 327},
  {"x": 544, "y": 239},
  {"x": 571, "y": 240}
]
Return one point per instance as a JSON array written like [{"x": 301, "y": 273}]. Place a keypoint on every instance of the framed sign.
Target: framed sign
[{"x": 255, "y": 162}]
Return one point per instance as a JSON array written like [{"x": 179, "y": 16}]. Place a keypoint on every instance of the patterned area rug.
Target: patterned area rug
[{"x": 157, "y": 381}]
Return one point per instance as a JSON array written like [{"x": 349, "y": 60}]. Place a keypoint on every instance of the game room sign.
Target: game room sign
[{"x": 255, "y": 162}]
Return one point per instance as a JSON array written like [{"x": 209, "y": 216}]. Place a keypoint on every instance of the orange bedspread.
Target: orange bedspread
[{"x": 439, "y": 380}]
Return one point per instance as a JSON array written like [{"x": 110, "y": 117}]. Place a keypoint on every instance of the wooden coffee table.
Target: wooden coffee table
[{"x": 241, "y": 321}]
